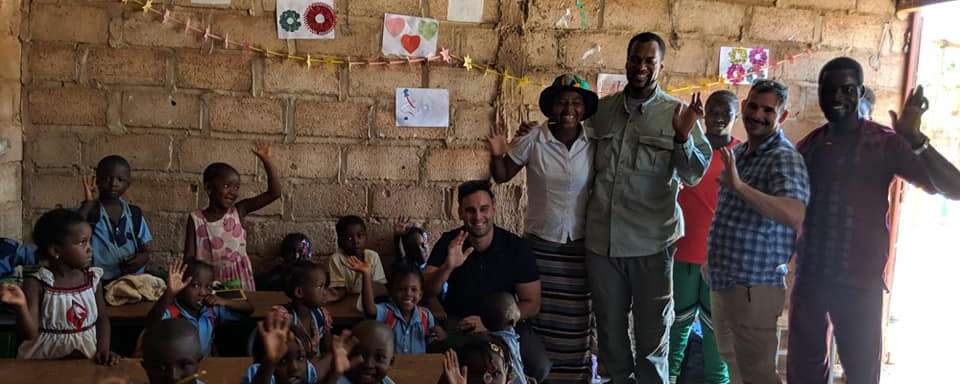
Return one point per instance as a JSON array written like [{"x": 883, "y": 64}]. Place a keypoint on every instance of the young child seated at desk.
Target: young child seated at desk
[
  {"x": 500, "y": 315},
  {"x": 482, "y": 359},
  {"x": 306, "y": 286},
  {"x": 294, "y": 247},
  {"x": 190, "y": 297},
  {"x": 282, "y": 354},
  {"x": 413, "y": 326},
  {"x": 171, "y": 352},
  {"x": 352, "y": 241},
  {"x": 60, "y": 310},
  {"x": 375, "y": 347}
]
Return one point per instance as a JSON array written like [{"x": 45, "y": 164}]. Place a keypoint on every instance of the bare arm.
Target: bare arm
[
  {"x": 502, "y": 167},
  {"x": 175, "y": 284},
  {"x": 27, "y": 324},
  {"x": 943, "y": 174},
  {"x": 434, "y": 277},
  {"x": 89, "y": 196},
  {"x": 784, "y": 210},
  {"x": 190, "y": 241},
  {"x": 529, "y": 299},
  {"x": 274, "y": 190},
  {"x": 369, "y": 307}
]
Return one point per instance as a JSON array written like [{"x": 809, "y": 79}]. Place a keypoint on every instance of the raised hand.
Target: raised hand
[
  {"x": 357, "y": 265},
  {"x": 175, "y": 281},
  {"x": 400, "y": 225},
  {"x": 437, "y": 333},
  {"x": 472, "y": 324},
  {"x": 341, "y": 347},
  {"x": 262, "y": 149},
  {"x": 730, "y": 178},
  {"x": 12, "y": 295},
  {"x": 274, "y": 333},
  {"x": 89, "y": 187},
  {"x": 452, "y": 370},
  {"x": 456, "y": 256},
  {"x": 907, "y": 124},
  {"x": 498, "y": 141},
  {"x": 685, "y": 117}
]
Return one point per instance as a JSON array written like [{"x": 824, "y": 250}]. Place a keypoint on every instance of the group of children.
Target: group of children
[{"x": 61, "y": 309}]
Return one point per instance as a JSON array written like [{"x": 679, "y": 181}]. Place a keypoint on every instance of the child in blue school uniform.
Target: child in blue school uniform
[
  {"x": 121, "y": 236},
  {"x": 414, "y": 327},
  {"x": 190, "y": 297},
  {"x": 306, "y": 286},
  {"x": 282, "y": 354},
  {"x": 500, "y": 314}
]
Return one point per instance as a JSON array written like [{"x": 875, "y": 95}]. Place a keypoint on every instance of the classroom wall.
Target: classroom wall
[
  {"x": 11, "y": 131},
  {"x": 101, "y": 78}
]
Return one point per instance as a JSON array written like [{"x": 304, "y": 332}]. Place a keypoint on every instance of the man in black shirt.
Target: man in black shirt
[{"x": 479, "y": 259}]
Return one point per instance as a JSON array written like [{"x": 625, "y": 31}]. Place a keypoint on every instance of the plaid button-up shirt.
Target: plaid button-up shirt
[{"x": 746, "y": 247}]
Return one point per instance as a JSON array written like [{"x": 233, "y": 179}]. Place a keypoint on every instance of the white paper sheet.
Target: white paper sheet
[
  {"x": 469, "y": 11},
  {"x": 306, "y": 19},
  {"x": 210, "y": 2},
  {"x": 409, "y": 36},
  {"x": 737, "y": 64},
  {"x": 610, "y": 83},
  {"x": 423, "y": 107}
]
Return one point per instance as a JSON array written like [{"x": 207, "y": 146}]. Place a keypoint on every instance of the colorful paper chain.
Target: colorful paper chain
[{"x": 444, "y": 55}]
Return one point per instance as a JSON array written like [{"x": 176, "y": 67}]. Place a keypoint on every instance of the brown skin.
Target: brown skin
[
  {"x": 762, "y": 116},
  {"x": 353, "y": 242},
  {"x": 477, "y": 211},
  {"x": 310, "y": 296},
  {"x": 405, "y": 292},
  {"x": 68, "y": 262},
  {"x": 285, "y": 357},
  {"x": 172, "y": 362},
  {"x": 193, "y": 293},
  {"x": 112, "y": 183},
  {"x": 373, "y": 352},
  {"x": 224, "y": 190},
  {"x": 720, "y": 117},
  {"x": 565, "y": 116},
  {"x": 840, "y": 97},
  {"x": 643, "y": 67}
]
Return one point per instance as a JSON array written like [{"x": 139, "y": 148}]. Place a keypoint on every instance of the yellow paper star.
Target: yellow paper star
[
  {"x": 147, "y": 6},
  {"x": 309, "y": 61},
  {"x": 489, "y": 71},
  {"x": 523, "y": 81},
  {"x": 468, "y": 63}
]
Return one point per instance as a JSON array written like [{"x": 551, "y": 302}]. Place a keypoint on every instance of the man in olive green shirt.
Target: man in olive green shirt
[{"x": 648, "y": 143}]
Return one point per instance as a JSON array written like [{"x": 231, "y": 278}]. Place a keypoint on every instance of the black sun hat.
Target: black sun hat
[{"x": 569, "y": 82}]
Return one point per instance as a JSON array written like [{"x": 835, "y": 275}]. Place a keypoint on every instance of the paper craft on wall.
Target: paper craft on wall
[
  {"x": 743, "y": 66},
  {"x": 409, "y": 36},
  {"x": 610, "y": 83},
  {"x": 306, "y": 19},
  {"x": 470, "y": 11},
  {"x": 423, "y": 107}
]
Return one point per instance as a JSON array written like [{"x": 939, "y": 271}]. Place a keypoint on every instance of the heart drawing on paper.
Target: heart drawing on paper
[
  {"x": 395, "y": 25},
  {"x": 428, "y": 29},
  {"x": 410, "y": 43}
]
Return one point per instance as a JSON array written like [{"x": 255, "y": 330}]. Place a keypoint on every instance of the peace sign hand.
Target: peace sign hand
[
  {"x": 89, "y": 187},
  {"x": 685, "y": 117},
  {"x": 907, "y": 124}
]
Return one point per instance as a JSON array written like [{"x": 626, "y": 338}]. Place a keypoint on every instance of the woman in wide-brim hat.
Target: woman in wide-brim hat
[{"x": 558, "y": 157}]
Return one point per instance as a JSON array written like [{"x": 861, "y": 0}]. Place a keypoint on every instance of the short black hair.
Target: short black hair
[
  {"x": 298, "y": 274},
  {"x": 111, "y": 161},
  {"x": 772, "y": 86},
  {"x": 53, "y": 227},
  {"x": 468, "y": 188},
  {"x": 347, "y": 221},
  {"x": 290, "y": 242},
  {"x": 299, "y": 336},
  {"x": 195, "y": 265},
  {"x": 175, "y": 330},
  {"x": 842, "y": 63},
  {"x": 726, "y": 96},
  {"x": 216, "y": 170},
  {"x": 493, "y": 307},
  {"x": 646, "y": 37},
  {"x": 398, "y": 270}
]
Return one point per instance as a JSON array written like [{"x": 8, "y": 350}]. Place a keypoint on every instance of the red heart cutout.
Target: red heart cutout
[
  {"x": 395, "y": 25},
  {"x": 410, "y": 42}
]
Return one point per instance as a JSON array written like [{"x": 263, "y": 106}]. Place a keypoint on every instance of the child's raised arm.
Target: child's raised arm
[
  {"x": 274, "y": 189},
  {"x": 366, "y": 294},
  {"x": 190, "y": 241},
  {"x": 89, "y": 195},
  {"x": 175, "y": 284},
  {"x": 104, "y": 356},
  {"x": 274, "y": 334},
  {"x": 27, "y": 305},
  {"x": 337, "y": 360}
]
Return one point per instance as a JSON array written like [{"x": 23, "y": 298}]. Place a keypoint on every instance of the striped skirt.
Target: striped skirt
[{"x": 565, "y": 317}]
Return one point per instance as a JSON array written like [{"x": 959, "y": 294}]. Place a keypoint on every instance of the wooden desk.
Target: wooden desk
[
  {"x": 344, "y": 312},
  {"x": 407, "y": 369}
]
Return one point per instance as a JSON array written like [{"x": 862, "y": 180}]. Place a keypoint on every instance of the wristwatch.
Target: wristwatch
[{"x": 923, "y": 147}]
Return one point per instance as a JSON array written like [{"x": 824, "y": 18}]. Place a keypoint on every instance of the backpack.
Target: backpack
[
  {"x": 136, "y": 217},
  {"x": 13, "y": 254},
  {"x": 391, "y": 320}
]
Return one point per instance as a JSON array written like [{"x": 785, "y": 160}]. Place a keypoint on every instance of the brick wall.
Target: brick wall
[
  {"x": 11, "y": 131},
  {"x": 101, "y": 78}
]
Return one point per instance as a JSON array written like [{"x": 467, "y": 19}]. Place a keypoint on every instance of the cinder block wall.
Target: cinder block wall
[
  {"x": 101, "y": 78},
  {"x": 11, "y": 131}
]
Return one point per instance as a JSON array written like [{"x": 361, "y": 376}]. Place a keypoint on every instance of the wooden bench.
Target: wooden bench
[{"x": 407, "y": 369}]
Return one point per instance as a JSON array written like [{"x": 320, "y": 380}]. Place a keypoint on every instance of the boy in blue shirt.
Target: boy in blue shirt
[
  {"x": 413, "y": 326},
  {"x": 500, "y": 314},
  {"x": 189, "y": 297},
  {"x": 120, "y": 233}
]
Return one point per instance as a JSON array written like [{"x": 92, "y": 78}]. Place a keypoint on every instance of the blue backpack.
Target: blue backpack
[{"x": 14, "y": 253}]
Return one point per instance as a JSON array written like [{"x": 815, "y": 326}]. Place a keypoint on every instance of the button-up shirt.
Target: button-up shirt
[
  {"x": 558, "y": 183},
  {"x": 746, "y": 247},
  {"x": 845, "y": 236},
  {"x": 632, "y": 210}
]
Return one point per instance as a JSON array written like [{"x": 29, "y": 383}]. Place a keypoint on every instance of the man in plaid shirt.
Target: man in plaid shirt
[{"x": 763, "y": 197}]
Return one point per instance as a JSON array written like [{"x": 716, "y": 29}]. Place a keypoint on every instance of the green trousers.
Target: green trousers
[{"x": 691, "y": 296}]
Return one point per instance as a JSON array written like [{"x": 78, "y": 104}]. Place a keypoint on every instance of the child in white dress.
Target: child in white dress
[{"x": 61, "y": 309}]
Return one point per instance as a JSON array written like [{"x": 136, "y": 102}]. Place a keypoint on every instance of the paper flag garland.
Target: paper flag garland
[
  {"x": 423, "y": 107},
  {"x": 409, "y": 36},
  {"x": 743, "y": 66},
  {"x": 306, "y": 19}
]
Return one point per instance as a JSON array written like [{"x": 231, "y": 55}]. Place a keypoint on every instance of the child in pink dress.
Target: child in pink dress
[{"x": 215, "y": 234}]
